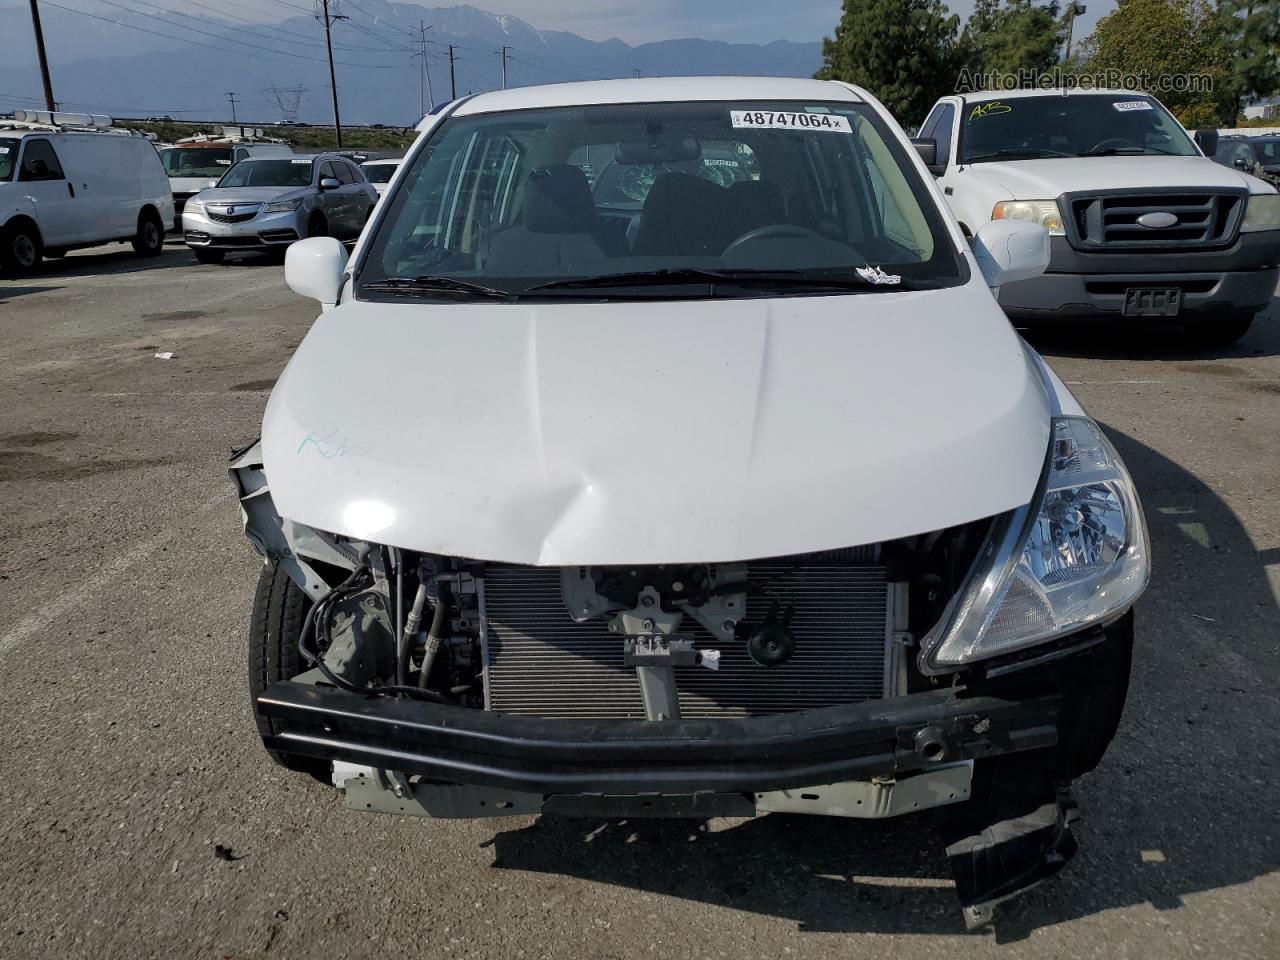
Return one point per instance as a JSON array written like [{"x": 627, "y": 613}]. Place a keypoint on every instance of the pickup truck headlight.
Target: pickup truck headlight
[
  {"x": 282, "y": 206},
  {"x": 1262, "y": 213},
  {"x": 1043, "y": 212},
  {"x": 1076, "y": 555}
]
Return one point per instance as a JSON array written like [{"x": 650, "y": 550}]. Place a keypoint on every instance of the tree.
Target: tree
[
  {"x": 1020, "y": 36},
  {"x": 903, "y": 51},
  {"x": 1178, "y": 47},
  {"x": 1253, "y": 31}
]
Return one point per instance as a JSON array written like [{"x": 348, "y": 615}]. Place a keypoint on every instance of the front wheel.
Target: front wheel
[
  {"x": 317, "y": 226},
  {"x": 149, "y": 240},
  {"x": 1220, "y": 331},
  {"x": 209, "y": 256},
  {"x": 279, "y": 610},
  {"x": 20, "y": 250}
]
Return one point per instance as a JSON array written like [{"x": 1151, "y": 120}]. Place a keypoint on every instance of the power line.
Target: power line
[
  {"x": 199, "y": 43},
  {"x": 228, "y": 23}
]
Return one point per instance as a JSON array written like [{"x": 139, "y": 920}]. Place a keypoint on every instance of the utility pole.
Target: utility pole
[
  {"x": 453, "y": 80},
  {"x": 44, "y": 60},
  {"x": 1075, "y": 10},
  {"x": 329, "y": 21},
  {"x": 231, "y": 98},
  {"x": 503, "y": 54},
  {"x": 425, "y": 69}
]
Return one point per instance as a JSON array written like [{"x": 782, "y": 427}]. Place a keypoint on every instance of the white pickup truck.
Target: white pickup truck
[{"x": 1142, "y": 224}]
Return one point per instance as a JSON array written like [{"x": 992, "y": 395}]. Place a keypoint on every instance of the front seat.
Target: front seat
[
  {"x": 683, "y": 216},
  {"x": 559, "y": 228}
]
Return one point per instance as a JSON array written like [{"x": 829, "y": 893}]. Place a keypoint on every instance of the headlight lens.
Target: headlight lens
[
  {"x": 282, "y": 206},
  {"x": 1074, "y": 558},
  {"x": 1262, "y": 213},
  {"x": 1043, "y": 212},
  {"x": 195, "y": 206}
]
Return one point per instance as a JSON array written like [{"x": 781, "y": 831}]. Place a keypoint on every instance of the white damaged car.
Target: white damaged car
[{"x": 608, "y": 485}]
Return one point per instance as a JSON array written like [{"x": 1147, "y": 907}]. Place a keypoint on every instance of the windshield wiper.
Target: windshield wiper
[
  {"x": 425, "y": 286},
  {"x": 1025, "y": 153},
  {"x": 1128, "y": 151},
  {"x": 686, "y": 275}
]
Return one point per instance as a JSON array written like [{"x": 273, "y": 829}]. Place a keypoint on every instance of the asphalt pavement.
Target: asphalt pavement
[{"x": 141, "y": 818}]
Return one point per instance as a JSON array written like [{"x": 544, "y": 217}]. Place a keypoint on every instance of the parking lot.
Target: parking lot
[{"x": 142, "y": 818}]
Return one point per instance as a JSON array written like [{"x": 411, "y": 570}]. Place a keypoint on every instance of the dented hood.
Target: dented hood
[{"x": 659, "y": 432}]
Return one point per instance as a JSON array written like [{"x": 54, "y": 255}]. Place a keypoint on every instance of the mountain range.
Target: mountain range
[{"x": 137, "y": 59}]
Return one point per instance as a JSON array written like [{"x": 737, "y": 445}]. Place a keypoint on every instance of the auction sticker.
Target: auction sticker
[
  {"x": 1124, "y": 106},
  {"x": 780, "y": 120}
]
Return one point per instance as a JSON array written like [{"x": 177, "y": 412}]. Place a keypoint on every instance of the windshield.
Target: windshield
[
  {"x": 1029, "y": 128},
  {"x": 295, "y": 172},
  {"x": 196, "y": 162},
  {"x": 647, "y": 195},
  {"x": 379, "y": 172},
  {"x": 8, "y": 156}
]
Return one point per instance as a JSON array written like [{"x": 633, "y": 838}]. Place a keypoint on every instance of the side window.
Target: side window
[
  {"x": 943, "y": 130},
  {"x": 343, "y": 172},
  {"x": 39, "y": 162},
  {"x": 930, "y": 122},
  {"x": 353, "y": 173},
  {"x": 326, "y": 172}
]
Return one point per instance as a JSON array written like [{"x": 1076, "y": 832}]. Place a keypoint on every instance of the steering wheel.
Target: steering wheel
[
  {"x": 1111, "y": 142},
  {"x": 774, "y": 231}
]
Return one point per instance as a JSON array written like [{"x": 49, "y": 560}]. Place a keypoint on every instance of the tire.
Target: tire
[
  {"x": 279, "y": 609},
  {"x": 54, "y": 254},
  {"x": 209, "y": 256},
  {"x": 1220, "y": 331},
  {"x": 20, "y": 250},
  {"x": 317, "y": 226},
  {"x": 149, "y": 240}
]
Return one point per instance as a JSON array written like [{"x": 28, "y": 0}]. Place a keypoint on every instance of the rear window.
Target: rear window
[
  {"x": 379, "y": 172},
  {"x": 269, "y": 173},
  {"x": 196, "y": 162}
]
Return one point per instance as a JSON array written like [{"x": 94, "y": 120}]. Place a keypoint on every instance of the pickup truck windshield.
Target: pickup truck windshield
[
  {"x": 1076, "y": 125},
  {"x": 8, "y": 157},
  {"x": 268, "y": 173},
  {"x": 196, "y": 161},
  {"x": 660, "y": 200}
]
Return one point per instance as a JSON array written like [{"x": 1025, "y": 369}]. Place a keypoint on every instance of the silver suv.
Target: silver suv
[{"x": 268, "y": 203}]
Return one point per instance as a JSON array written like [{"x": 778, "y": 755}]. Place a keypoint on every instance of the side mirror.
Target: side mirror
[
  {"x": 927, "y": 147},
  {"x": 313, "y": 268},
  {"x": 1207, "y": 140},
  {"x": 1242, "y": 163},
  {"x": 329, "y": 183},
  {"x": 1011, "y": 250}
]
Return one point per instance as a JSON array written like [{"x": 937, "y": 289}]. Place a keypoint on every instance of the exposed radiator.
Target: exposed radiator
[{"x": 539, "y": 662}]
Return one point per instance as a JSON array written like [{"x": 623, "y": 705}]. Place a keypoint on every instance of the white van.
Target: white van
[
  {"x": 734, "y": 493},
  {"x": 69, "y": 181},
  {"x": 197, "y": 165}
]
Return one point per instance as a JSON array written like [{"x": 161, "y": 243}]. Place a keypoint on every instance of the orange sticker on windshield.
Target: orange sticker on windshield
[{"x": 989, "y": 109}]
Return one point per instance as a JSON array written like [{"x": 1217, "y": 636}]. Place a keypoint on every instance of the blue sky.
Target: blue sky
[{"x": 750, "y": 21}]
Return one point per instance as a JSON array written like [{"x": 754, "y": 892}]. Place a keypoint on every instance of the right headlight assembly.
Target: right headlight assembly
[
  {"x": 1077, "y": 555},
  {"x": 1262, "y": 213}
]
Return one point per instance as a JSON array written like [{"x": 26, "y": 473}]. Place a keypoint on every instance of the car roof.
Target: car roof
[
  {"x": 658, "y": 90},
  {"x": 385, "y": 161},
  {"x": 1055, "y": 92}
]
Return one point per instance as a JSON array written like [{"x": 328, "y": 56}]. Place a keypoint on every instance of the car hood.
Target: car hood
[
  {"x": 250, "y": 194},
  {"x": 1047, "y": 179},
  {"x": 660, "y": 432}
]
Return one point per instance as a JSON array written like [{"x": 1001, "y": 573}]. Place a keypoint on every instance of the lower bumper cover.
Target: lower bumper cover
[{"x": 680, "y": 757}]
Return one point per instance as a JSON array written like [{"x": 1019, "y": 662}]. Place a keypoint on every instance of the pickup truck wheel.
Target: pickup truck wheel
[
  {"x": 1220, "y": 331},
  {"x": 20, "y": 250},
  {"x": 209, "y": 256},
  {"x": 149, "y": 240},
  {"x": 279, "y": 609}
]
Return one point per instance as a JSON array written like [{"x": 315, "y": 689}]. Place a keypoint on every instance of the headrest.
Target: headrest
[{"x": 557, "y": 199}]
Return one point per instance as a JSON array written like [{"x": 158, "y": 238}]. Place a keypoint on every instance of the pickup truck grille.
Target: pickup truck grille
[
  {"x": 540, "y": 662},
  {"x": 1111, "y": 221}
]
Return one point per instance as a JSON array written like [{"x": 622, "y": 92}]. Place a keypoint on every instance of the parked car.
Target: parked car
[
  {"x": 1142, "y": 223},
  {"x": 380, "y": 172},
  {"x": 767, "y": 510},
  {"x": 1238, "y": 152},
  {"x": 1268, "y": 151},
  {"x": 68, "y": 182},
  {"x": 193, "y": 166},
  {"x": 267, "y": 204}
]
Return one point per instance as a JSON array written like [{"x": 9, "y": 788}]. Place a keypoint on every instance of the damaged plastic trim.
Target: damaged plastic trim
[{"x": 290, "y": 544}]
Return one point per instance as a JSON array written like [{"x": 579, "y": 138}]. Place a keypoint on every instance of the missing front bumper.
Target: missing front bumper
[{"x": 877, "y": 738}]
